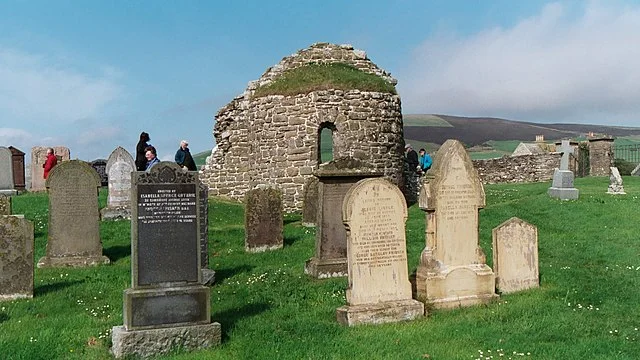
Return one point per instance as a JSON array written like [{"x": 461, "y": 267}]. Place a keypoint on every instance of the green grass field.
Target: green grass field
[
  {"x": 425, "y": 120},
  {"x": 586, "y": 307}
]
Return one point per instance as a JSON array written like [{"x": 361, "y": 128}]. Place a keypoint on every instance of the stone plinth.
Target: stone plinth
[
  {"x": 263, "y": 222},
  {"x": 562, "y": 186},
  {"x": 515, "y": 256},
  {"x": 390, "y": 311},
  {"x": 16, "y": 258}
]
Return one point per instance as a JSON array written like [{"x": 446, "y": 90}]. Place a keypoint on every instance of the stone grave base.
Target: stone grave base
[
  {"x": 263, "y": 248},
  {"x": 208, "y": 277},
  {"x": 8, "y": 192},
  {"x": 563, "y": 193},
  {"x": 72, "y": 261},
  {"x": 458, "y": 286},
  {"x": 616, "y": 190},
  {"x": 10, "y": 297},
  {"x": 322, "y": 269},
  {"x": 115, "y": 213},
  {"x": 151, "y": 342},
  {"x": 385, "y": 312}
]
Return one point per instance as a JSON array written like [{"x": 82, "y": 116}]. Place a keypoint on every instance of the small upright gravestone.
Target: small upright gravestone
[
  {"x": 74, "y": 221},
  {"x": 263, "y": 219},
  {"x": 38, "y": 158},
  {"x": 515, "y": 256},
  {"x": 16, "y": 258},
  {"x": 374, "y": 212},
  {"x": 166, "y": 306},
  {"x": 5, "y": 205},
  {"x": 7, "y": 185},
  {"x": 562, "y": 185},
  {"x": 100, "y": 166},
  {"x": 310, "y": 202},
  {"x": 118, "y": 169},
  {"x": 615, "y": 182},
  {"x": 208, "y": 275},
  {"x": 453, "y": 270}
]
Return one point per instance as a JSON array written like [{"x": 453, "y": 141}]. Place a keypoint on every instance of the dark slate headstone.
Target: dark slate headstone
[
  {"x": 263, "y": 219},
  {"x": 100, "y": 166},
  {"x": 5, "y": 204},
  {"x": 310, "y": 202},
  {"x": 19, "y": 178},
  {"x": 74, "y": 221},
  {"x": 16, "y": 258}
]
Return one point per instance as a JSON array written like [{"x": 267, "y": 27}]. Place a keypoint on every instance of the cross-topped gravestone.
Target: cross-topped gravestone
[
  {"x": 16, "y": 258},
  {"x": 6, "y": 172},
  {"x": 119, "y": 167},
  {"x": 562, "y": 185},
  {"x": 566, "y": 150}
]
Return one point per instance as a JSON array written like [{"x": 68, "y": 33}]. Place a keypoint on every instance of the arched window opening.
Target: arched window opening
[{"x": 325, "y": 142}]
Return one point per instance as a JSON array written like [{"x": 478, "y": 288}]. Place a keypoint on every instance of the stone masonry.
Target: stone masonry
[
  {"x": 600, "y": 155},
  {"x": 275, "y": 138}
]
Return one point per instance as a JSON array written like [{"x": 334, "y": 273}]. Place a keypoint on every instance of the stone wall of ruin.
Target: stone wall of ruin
[
  {"x": 600, "y": 157},
  {"x": 516, "y": 169}
]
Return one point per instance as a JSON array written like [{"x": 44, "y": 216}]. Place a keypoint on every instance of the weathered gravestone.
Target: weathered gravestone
[
  {"x": 18, "y": 169},
  {"x": 615, "y": 182},
  {"x": 208, "y": 275},
  {"x": 515, "y": 256},
  {"x": 5, "y": 204},
  {"x": 100, "y": 166},
  {"x": 16, "y": 258},
  {"x": 335, "y": 178},
  {"x": 38, "y": 158},
  {"x": 310, "y": 202},
  {"x": 118, "y": 169},
  {"x": 636, "y": 171},
  {"x": 263, "y": 219},
  {"x": 374, "y": 213},
  {"x": 562, "y": 185},
  {"x": 7, "y": 185},
  {"x": 74, "y": 221},
  {"x": 166, "y": 306},
  {"x": 453, "y": 270}
]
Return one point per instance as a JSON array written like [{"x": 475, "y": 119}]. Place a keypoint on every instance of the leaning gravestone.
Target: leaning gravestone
[
  {"x": 562, "y": 185},
  {"x": 615, "y": 182},
  {"x": 5, "y": 204},
  {"x": 74, "y": 222},
  {"x": 453, "y": 270},
  {"x": 263, "y": 219},
  {"x": 38, "y": 158},
  {"x": 7, "y": 185},
  {"x": 118, "y": 169},
  {"x": 515, "y": 256},
  {"x": 100, "y": 166},
  {"x": 208, "y": 275},
  {"x": 16, "y": 258},
  {"x": 636, "y": 171},
  {"x": 374, "y": 212},
  {"x": 335, "y": 179},
  {"x": 166, "y": 306},
  {"x": 310, "y": 202}
]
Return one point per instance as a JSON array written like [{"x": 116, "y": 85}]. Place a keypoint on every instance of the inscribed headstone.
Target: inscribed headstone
[
  {"x": 118, "y": 170},
  {"x": 515, "y": 255},
  {"x": 100, "y": 166},
  {"x": 74, "y": 222},
  {"x": 38, "y": 158},
  {"x": 263, "y": 219},
  {"x": 562, "y": 185},
  {"x": 374, "y": 212},
  {"x": 5, "y": 204},
  {"x": 310, "y": 202},
  {"x": 453, "y": 270},
  {"x": 6, "y": 172},
  {"x": 19, "y": 179},
  {"x": 16, "y": 258},
  {"x": 615, "y": 182}
]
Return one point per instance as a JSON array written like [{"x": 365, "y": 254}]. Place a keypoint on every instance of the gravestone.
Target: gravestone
[
  {"x": 19, "y": 179},
  {"x": 615, "y": 182},
  {"x": 5, "y": 204},
  {"x": 263, "y": 219},
  {"x": 374, "y": 213},
  {"x": 38, "y": 158},
  {"x": 453, "y": 270},
  {"x": 166, "y": 306},
  {"x": 636, "y": 171},
  {"x": 562, "y": 185},
  {"x": 335, "y": 178},
  {"x": 208, "y": 275},
  {"x": 7, "y": 185},
  {"x": 310, "y": 202},
  {"x": 100, "y": 166},
  {"x": 515, "y": 256},
  {"x": 118, "y": 170},
  {"x": 16, "y": 258},
  {"x": 74, "y": 221}
]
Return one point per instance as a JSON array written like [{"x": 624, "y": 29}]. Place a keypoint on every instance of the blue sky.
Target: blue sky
[{"x": 92, "y": 75}]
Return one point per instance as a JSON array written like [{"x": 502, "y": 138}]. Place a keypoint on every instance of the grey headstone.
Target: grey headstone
[
  {"x": 100, "y": 166},
  {"x": 16, "y": 258},
  {"x": 6, "y": 172},
  {"x": 615, "y": 182},
  {"x": 263, "y": 223},
  {"x": 119, "y": 167},
  {"x": 204, "y": 225},
  {"x": 636, "y": 171},
  {"x": 310, "y": 202}
]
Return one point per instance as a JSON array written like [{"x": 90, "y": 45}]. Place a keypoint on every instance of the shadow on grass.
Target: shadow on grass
[
  {"x": 290, "y": 240},
  {"x": 223, "y": 274},
  {"x": 290, "y": 220},
  {"x": 47, "y": 288},
  {"x": 3, "y": 317},
  {"x": 117, "y": 252},
  {"x": 229, "y": 317}
]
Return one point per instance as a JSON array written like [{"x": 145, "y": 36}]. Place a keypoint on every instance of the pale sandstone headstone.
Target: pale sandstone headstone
[
  {"x": 74, "y": 222},
  {"x": 453, "y": 270},
  {"x": 374, "y": 213},
  {"x": 263, "y": 219},
  {"x": 38, "y": 158},
  {"x": 515, "y": 256},
  {"x": 118, "y": 169},
  {"x": 16, "y": 258},
  {"x": 5, "y": 204},
  {"x": 615, "y": 182},
  {"x": 7, "y": 185}
]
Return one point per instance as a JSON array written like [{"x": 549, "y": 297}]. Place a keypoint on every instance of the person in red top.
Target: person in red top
[{"x": 51, "y": 161}]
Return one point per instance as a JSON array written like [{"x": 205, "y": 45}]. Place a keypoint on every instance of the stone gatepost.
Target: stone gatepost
[{"x": 600, "y": 155}]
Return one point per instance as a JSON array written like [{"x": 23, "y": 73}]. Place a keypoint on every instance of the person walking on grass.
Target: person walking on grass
[{"x": 183, "y": 157}]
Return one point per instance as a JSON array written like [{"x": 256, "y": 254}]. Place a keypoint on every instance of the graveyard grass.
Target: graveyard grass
[{"x": 586, "y": 307}]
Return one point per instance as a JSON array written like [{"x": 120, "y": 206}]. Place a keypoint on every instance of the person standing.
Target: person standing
[
  {"x": 51, "y": 161},
  {"x": 425, "y": 160},
  {"x": 184, "y": 158},
  {"x": 412, "y": 158},
  {"x": 141, "y": 149},
  {"x": 152, "y": 157}
]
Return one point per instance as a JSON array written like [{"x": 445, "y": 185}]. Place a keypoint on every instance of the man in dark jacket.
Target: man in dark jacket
[
  {"x": 412, "y": 158},
  {"x": 184, "y": 158}
]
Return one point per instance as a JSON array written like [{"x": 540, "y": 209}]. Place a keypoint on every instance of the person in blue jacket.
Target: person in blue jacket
[{"x": 424, "y": 160}]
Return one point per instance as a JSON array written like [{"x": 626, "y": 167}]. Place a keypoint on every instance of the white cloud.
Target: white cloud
[{"x": 563, "y": 64}]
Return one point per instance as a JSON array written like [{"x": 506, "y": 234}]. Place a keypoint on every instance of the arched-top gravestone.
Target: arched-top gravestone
[
  {"x": 515, "y": 255},
  {"x": 38, "y": 158},
  {"x": 6, "y": 172},
  {"x": 118, "y": 170},
  {"x": 74, "y": 231}
]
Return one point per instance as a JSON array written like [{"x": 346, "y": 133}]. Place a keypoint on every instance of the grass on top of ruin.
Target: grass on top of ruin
[
  {"x": 586, "y": 307},
  {"x": 313, "y": 77}
]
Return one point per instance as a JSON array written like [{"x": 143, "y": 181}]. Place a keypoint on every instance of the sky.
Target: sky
[{"x": 91, "y": 75}]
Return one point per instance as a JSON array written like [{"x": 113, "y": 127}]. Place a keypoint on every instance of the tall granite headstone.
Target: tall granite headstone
[
  {"x": 615, "y": 182},
  {"x": 16, "y": 258},
  {"x": 263, "y": 223},
  {"x": 562, "y": 185},
  {"x": 335, "y": 178},
  {"x": 7, "y": 185},
  {"x": 74, "y": 221},
  {"x": 453, "y": 270},
  {"x": 515, "y": 256},
  {"x": 374, "y": 214},
  {"x": 5, "y": 204},
  {"x": 38, "y": 158},
  {"x": 118, "y": 169},
  {"x": 166, "y": 306},
  {"x": 100, "y": 166},
  {"x": 310, "y": 202}
]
